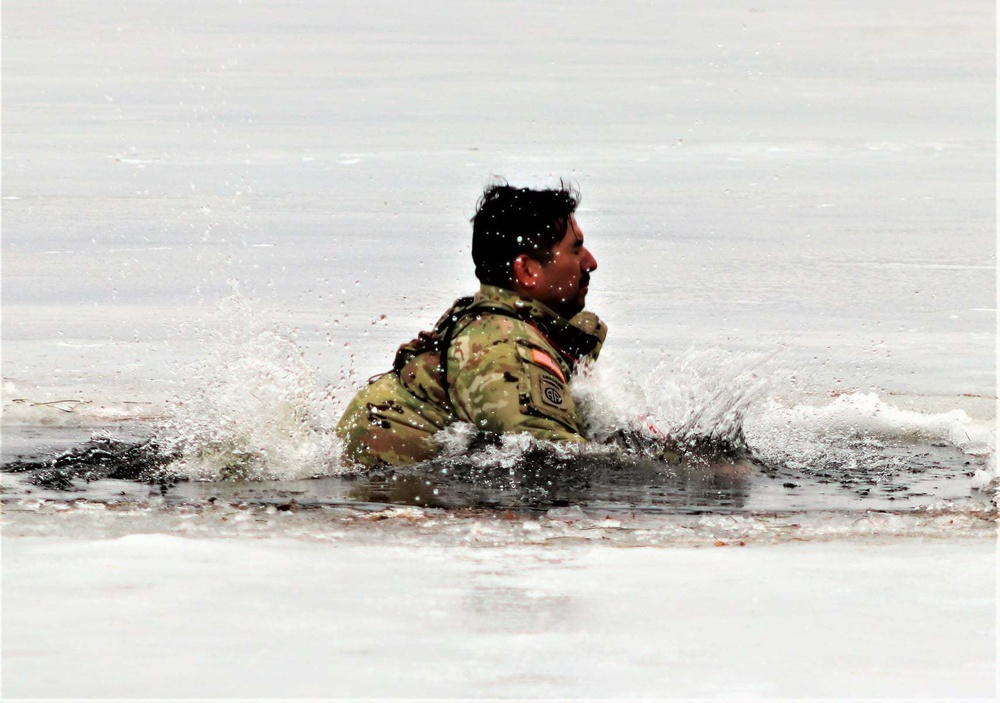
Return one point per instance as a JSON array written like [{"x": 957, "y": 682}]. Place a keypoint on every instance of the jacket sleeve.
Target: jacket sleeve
[{"x": 502, "y": 380}]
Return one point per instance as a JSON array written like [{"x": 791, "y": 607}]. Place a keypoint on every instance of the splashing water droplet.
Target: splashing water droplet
[{"x": 251, "y": 408}]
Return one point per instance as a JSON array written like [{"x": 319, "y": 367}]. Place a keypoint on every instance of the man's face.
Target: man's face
[{"x": 562, "y": 283}]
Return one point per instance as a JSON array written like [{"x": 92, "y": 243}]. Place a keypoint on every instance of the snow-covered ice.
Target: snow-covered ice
[{"x": 155, "y": 616}]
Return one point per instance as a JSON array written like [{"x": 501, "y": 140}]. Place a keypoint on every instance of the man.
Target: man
[{"x": 500, "y": 360}]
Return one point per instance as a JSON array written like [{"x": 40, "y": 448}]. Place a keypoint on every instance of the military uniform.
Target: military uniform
[{"x": 496, "y": 360}]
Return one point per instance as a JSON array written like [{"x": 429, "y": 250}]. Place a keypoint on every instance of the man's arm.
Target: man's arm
[{"x": 502, "y": 380}]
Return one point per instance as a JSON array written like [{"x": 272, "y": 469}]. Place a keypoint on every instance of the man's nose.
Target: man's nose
[{"x": 588, "y": 262}]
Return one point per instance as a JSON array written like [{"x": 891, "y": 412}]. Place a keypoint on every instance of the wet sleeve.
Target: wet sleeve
[{"x": 497, "y": 387}]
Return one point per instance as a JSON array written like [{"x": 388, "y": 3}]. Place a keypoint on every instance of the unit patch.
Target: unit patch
[
  {"x": 552, "y": 392},
  {"x": 548, "y": 394}
]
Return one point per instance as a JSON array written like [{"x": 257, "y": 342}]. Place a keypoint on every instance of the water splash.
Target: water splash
[
  {"x": 251, "y": 408},
  {"x": 699, "y": 400},
  {"x": 856, "y": 432},
  {"x": 712, "y": 401}
]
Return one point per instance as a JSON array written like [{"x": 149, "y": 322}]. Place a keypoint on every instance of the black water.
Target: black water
[{"x": 862, "y": 474}]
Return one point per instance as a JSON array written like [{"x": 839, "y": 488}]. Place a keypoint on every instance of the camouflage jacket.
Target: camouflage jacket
[{"x": 506, "y": 368}]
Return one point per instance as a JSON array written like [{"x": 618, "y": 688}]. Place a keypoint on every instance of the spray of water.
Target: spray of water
[
  {"x": 860, "y": 431},
  {"x": 250, "y": 408},
  {"x": 700, "y": 400},
  {"x": 711, "y": 400}
]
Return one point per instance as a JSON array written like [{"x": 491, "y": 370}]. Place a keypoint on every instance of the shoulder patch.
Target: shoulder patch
[
  {"x": 550, "y": 397},
  {"x": 540, "y": 358},
  {"x": 546, "y": 361},
  {"x": 552, "y": 393}
]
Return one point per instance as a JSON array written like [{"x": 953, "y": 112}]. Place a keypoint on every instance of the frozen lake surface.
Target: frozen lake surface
[
  {"x": 160, "y": 616},
  {"x": 220, "y": 218}
]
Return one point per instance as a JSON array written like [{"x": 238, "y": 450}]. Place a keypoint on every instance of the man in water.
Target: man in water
[{"x": 500, "y": 360}]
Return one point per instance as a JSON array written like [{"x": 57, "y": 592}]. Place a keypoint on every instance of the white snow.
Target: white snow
[{"x": 156, "y": 616}]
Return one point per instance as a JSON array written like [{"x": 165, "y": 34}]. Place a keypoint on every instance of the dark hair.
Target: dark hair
[{"x": 513, "y": 221}]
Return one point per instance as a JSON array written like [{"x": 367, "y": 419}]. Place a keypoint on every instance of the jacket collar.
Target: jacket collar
[{"x": 580, "y": 337}]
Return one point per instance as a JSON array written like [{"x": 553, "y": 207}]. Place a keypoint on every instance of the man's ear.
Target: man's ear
[{"x": 526, "y": 271}]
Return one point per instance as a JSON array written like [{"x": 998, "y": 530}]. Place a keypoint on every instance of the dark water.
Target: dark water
[{"x": 862, "y": 474}]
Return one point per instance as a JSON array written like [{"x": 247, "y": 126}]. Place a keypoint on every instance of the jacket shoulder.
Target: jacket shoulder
[
  {"x": 493, "y": 335},
  {"x": 507, "y": 377}
]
